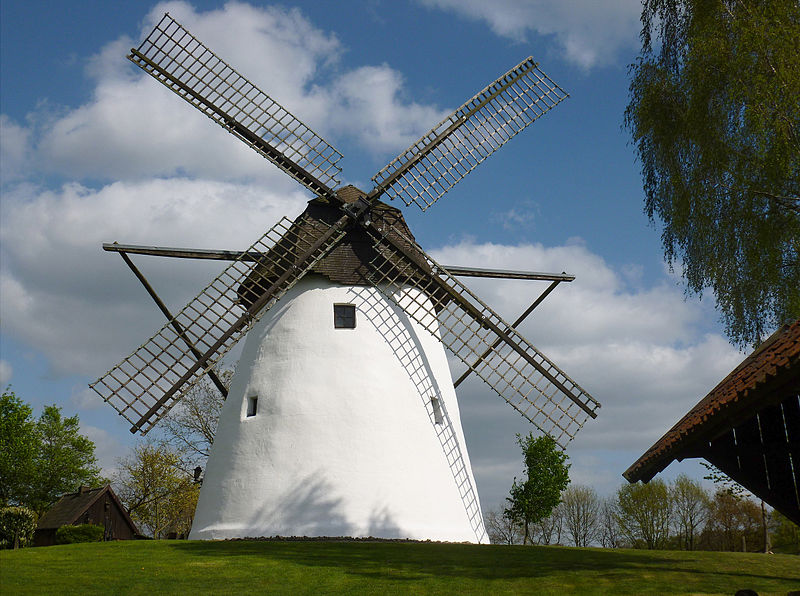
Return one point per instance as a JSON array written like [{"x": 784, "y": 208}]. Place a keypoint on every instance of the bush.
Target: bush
[
  {"x": 17, "y": 525},
  {"x": 81, "y": 533}
]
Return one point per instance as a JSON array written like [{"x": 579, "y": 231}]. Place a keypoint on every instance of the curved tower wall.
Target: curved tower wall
[{"x": 356, "y": 431}]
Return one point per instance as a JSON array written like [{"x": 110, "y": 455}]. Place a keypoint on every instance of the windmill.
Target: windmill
[{"x": 342, "y": 417}]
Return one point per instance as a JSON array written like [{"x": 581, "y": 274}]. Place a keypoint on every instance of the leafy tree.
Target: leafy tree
[
  {"x": 715, "y": 118},
  {"x": 691, "y": 507},
  {"x": 18, "y": 447},
  {"x": 546, "y": 476},
  {"x": 785, "y": 533},
  {"x": 644, "y": 513},
  {"x": 40, "y": 460},
  {"x": 64, "y": 460},
  {"x": 723, "y": 481},
  {"x": 734, "y": 524},
  {"x": 159, "y": 495},
  {"x": 17, "y": 525},
  {"x": 582, "y": 514},
  {"x": 730, "y": 486}
]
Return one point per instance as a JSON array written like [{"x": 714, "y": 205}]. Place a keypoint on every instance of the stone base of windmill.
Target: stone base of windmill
[{"x": 340, "y": 431}]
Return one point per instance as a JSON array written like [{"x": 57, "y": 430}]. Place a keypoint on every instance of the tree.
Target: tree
[
  {"x": 501, "y": 528},
  {"x": 549, "y": 529},
  {"x": 582, "y": 514},
  {"x": 727, "y": 484},
  {"x": 546, "y": 476},
  {"x": 43, "y": 459},
  {"x": 65, "y": 459},
  {"x": 785, "y": 534},
  {"x": 644, "y": 513},
  {"x": 159, "y": 495},
  {"x": 17, "y": 525},
  {"x": 191, "y": 425},
  {"x": 723, "y": 481},
  {"x": 715, "y": 119},
  {"x": 690, "y": 506},
  {"x": 18, "y": 446},
  {"x": 734, "y": 523},
  {"x": 609, "y": 534}
]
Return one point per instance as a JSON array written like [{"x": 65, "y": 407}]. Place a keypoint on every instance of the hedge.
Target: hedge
[{"x": 80, "y": 533}]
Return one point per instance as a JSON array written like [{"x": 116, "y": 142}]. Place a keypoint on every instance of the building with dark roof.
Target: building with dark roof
[
  {"x": 748, "y": 426},
  {"x": 99, "y": 506}
]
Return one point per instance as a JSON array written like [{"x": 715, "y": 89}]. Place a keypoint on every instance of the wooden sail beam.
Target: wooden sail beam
[{"x": 232, "y": 255}]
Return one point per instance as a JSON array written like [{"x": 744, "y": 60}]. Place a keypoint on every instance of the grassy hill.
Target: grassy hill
[{"x": 383, "y": 568}]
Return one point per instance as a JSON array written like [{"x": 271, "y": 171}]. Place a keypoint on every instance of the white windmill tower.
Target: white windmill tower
[{"x": 342, "y": 418}]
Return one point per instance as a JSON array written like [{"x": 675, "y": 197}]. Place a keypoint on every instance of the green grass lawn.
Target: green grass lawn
[{"x": 189, "y": 567}]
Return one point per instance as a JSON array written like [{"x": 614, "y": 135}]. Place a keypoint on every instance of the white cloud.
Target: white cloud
[
  {"x": 107, "y": 448},
  {"x": 81, "y": 306},
  {"x": 382, "y": 120},
  {"x": 633, "y": 347},
  {"x": 134, "y": 128},
  {"x": 6, "y": 372},
  {"x": 14, "y": 149},
  {"x": 519, "y": 217},
  {"x": 84, "y": 398},
  {"x": 590, "y": 33}
]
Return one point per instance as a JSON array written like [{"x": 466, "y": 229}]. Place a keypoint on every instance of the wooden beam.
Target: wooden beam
[
  {"x": 232, "y": 255},
  {"x": 175, "y": 325}
]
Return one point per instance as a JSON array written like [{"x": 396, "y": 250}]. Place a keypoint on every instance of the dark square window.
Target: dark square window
[{"x": 344, "y": 316}]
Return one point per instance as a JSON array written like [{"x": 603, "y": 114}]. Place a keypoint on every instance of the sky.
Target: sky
[{"x": 95, "y": 151}]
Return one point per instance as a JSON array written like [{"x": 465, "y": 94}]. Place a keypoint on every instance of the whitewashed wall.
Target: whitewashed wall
[{"x": 345, "y": 441}]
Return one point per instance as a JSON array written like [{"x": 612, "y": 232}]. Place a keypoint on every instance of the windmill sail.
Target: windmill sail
[
  {"x": 453, "y": 148},
  {"x": 146, "y": 384},
  {"x": 499, "y": 355},
  {"x": 177, "y": 59}
]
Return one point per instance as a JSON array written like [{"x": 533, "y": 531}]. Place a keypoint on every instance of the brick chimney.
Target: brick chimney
[{"x": 83, "y": 489}]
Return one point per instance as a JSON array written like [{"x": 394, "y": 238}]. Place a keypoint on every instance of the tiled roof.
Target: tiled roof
[{"x": 739, "y": 392}]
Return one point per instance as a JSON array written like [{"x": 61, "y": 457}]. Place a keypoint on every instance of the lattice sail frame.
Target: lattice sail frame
[
  {"x": 178, "y": 60},
  {"x": 530, "y": 383},
  {"x": 154, "y": 377},
  {"x": 146, "y": 384},
  {"x": 453, "y": 148}
]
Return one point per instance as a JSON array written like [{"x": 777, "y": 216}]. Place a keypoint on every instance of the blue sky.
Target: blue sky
[{"x": 92, "y": 152}]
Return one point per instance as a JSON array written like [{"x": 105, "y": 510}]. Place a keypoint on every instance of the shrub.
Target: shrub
[
  {"x": 17, "y": 525},
  {"x": 80, "y": 533}
]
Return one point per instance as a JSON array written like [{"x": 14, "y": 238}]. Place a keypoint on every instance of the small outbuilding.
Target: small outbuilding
[
  {"x": 748, "y": 426},
  {"x": 99, "y": 506}
]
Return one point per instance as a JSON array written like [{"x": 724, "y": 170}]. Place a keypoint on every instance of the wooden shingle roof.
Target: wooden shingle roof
[
  {"x": 763, "y": 379},
  {"x": 349, "y": 261},
  {"x": 71, "y": 506}
]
